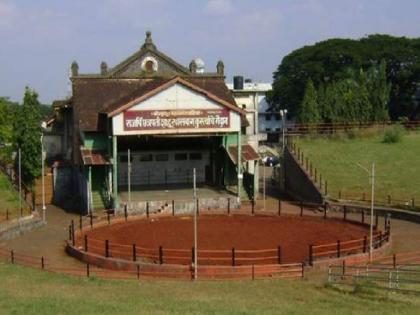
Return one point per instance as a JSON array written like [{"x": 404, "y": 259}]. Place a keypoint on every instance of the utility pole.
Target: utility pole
[
  {"x": 20, "y": 180},
  {"x": 195, "y": 227},
  {"x": 43, "y": 179},
  {"x": 129, "y": 176},
  {"x": 372, "y": 204},
  {"x": 371, "y": 211}
]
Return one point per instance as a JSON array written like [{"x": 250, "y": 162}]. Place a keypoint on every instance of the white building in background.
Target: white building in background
[{"x": 264, "y": 120}]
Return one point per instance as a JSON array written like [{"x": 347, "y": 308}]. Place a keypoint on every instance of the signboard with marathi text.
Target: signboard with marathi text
[{"x": 176, "y": 119}]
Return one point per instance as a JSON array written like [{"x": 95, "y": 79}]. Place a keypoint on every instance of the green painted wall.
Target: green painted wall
[{"x": 96, "y": 141}]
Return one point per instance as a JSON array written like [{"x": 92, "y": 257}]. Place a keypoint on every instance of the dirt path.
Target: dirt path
[{"x": 47, "y": 241}]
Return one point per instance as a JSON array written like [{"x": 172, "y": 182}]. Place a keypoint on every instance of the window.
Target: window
[
  {"x": 180, "y": 156},
  {"x": 146, "y": 157},
  {"x": 267, "y": 116},
  {"x": 277, "y": 116},
  {"x": 162, "y": 157},
  {"x": 195, "y": 156},
  {"x": 149, "y": 65}
]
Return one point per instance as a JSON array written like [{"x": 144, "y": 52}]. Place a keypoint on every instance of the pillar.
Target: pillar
[
  {"x": 239, "y": 168},
  {"x": 90, "y": 199},
  {"x": 115, "y": 172}
]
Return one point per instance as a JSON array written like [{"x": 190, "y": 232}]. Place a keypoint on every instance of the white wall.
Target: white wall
[{"x": 176, "y": 97}]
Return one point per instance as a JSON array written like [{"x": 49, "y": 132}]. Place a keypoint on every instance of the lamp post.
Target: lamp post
[
  {"x": 283, "y": 113},
  {"x": 43, "y": 126},
  {"x": 195, "y": 227},
  {"x": 372, "y": 176}
]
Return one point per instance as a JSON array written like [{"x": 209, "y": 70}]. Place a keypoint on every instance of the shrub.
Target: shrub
[{"x": 394, "y": 134}]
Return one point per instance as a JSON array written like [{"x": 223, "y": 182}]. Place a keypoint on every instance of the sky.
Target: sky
[{"x": 40, "y": 38}]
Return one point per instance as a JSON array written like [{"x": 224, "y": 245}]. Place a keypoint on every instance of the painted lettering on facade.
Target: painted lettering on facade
[{"x": 176, "y": 119}]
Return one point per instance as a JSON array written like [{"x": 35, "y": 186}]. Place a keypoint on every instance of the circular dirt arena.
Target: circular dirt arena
[{"x": 249, "y": 239}]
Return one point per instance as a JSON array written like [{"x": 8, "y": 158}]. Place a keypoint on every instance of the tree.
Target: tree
[
  {"x": 329, "y": 61},
  {"x": 309, "y": 108},
  {"x": 28, "y": 136}
]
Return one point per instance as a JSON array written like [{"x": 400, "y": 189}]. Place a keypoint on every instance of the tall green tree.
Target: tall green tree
[
  {"x": 309, "y": 110},
  {"x": 28, "y": 136},
  {"x": 329, "y": 61}
]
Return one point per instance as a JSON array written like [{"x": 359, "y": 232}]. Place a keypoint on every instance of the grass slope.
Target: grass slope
[
  {"x": 28, "y": 291},
  {"x": 397, "y": 165},
  {"x": 9, "y": 198}
]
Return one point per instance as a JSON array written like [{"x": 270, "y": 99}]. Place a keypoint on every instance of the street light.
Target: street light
[
  {"x": 43, "y": 126},
  {"x": 283, "y": 113},
  {"x": 372, "y": 176}
]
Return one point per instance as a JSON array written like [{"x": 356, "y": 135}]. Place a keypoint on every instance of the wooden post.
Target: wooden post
[
  {"x": 125, "y": 212},
  {"x": 326, "y": 187},
  {"x": 279, "y": 255},
  {"x": 147, "y": 209},
  {"x": 12, "y": 256},
  {"x": 42, "y": 263},
  {"x": 86, "y": 243},
  {"x": 160, "y": 255},
  {"x": 72, "y": 233},
  {"x": 173, "y": 207},
  {"x": 91, "y": 220},
  {"x": 364, "y": 244},
  {"x": 279, "y": 208},
  {"x": 338, "y": 249},
  {"x": 106, "y": 248},
  {"x": 316, "y": 176},
  {"x": 192, "y": 255},
  {"x": 87, "y": 270},
  {"x": 138, "y": 272},
  {"x": 344, "y": 267},
  {"x": 344, "y": 213},
  {"x": 233, "y": 256},
  {"x": 311, "y": 253},
  {"x": 325, "y": 211},
  {"x": 134, "y": 252},
  {"x": 394, "y": 260}
]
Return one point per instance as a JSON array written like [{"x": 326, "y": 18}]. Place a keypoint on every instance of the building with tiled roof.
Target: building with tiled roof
[{"x": 146, "y": 124}]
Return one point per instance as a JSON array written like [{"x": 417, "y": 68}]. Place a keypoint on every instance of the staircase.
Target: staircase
[{"x": 99, "y": 201}]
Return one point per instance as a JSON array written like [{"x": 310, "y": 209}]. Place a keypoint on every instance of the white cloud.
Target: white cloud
[
  {"x": 218, "y": 7},
  {"x": 8, "y": 13}
]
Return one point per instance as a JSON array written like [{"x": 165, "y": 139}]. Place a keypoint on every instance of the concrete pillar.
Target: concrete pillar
[
  {"x": 90, "y": 199},
  {"x": 239, "y": 168},
  {"x": 115, "y": 172}
]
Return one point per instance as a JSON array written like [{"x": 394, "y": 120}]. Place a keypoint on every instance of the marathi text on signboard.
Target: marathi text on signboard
[{"x": 176, "y": 119}]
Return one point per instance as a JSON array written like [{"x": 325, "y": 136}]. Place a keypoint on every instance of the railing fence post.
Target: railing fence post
[
  {"x": 134, "y": 252},
  {"x": 233, "y": 256},
  {"x": 338, "y": 249},
  {"x": 42, "y": 262},
  {"x": 311, "y": 254},
  {"x": 279, "y": 255},
  {"x": 364, "y": 244},
  {"x": 12, "y": 256},
  {"x": 86, "y": 243},
  {"x": 173, "y": 207},
  {"x": 106, "y": 248},
  {"x": 160, "y": 255},
  {"x": 87, "y": 270}
]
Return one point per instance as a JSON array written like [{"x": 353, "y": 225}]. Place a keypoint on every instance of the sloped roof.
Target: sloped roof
[
  {"x": 94, "y": 157},
  {"x": 93, "y": 97},
  {"x": 247, "y": 153}
]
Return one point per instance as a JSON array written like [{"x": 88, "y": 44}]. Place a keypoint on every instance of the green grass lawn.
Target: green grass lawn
[
  {"x": 9, "y": 198},
  {"x": 28, "y": 291},
  {"x": 397, "y": 165}
]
